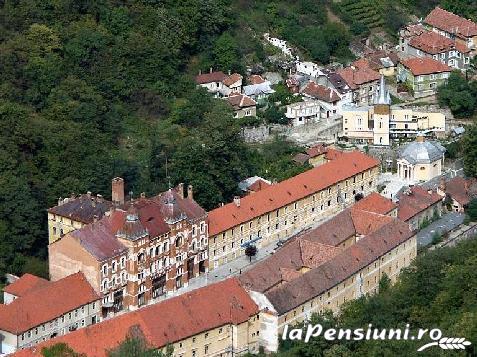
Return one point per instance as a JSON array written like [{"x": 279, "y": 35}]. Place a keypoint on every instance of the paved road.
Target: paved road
[{"x": 446, "y": 223}]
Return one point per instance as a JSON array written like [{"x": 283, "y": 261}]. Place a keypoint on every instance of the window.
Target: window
[
  {"x": 105, "y": 269},
  {"x": 113, "y": 266},
  {"x": 178, "y": 241}
]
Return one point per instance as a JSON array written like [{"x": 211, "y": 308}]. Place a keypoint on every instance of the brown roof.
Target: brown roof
[
  {"x": 358, "y": 76},
  {"x": 316, "y": 150},
  {"x": 229, "y": 80},
  {"x": 286, "y": 264},
  {"x": 321, "y": 92},
  {"x": 210, "y": 77},
  {"x": 376, "y": 203},
  {"x": 166, "y": 322},
  {"x": 451, "y": 23},
  {"x": 25, "y": 284},
  {"x": 462, "y": 190},
  {"x": 415, "y": 202},
  {"x": 256, "y": 79},
  {"x": 301, "y": 158},
  {"x": 154, "y": 215},
  {"x": 305, "y": 184},
  {"x": 47, "y": 303},
  {"x": 239, "y": 101},
  {"x": 413, "y": 30},
  {"x": 84, "y": 208},
  {"x": 307, "y": 286},
  {"x": 258, "y": 185},
  {"x": 425, "y": 65},
  {"x": 432, "y": 42}
]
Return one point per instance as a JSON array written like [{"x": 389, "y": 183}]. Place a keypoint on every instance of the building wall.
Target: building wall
[
  {"x": 245, "y": 112},
  {"x": 419, "y": 172},
  {"x": 72, "y": 320},
  {"x": 366, "y": 281},
  {"x": 289, "y": 220},
  {"x": 426, "y": 215},
  {"x": 58, "y": 226},
  {"x": 218, "y": 341},
  {"x": 422, "y": 85}
]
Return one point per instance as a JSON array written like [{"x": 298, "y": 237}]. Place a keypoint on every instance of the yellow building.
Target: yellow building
[
  {"x": 380, "y": 123},
  {"x": 281, "y": 210},
  {"x": 340, "y": 260},
  {"x": 420, "y": 160}
]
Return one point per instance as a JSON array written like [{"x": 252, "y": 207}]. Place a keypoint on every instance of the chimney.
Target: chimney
[
  {"x": 420, "y": 138},
  {"x": 190, "y": 192},
  {"x": 143, "y": 194},
  {"x": 60, "y": 201},
  {"x": 180, "y": 190},
  {"x": 200, "y": 72},
  {"x": 442, "y": 185},
  {"x": 210, "y": 70},
  {"x": 237, "y": 201},
  {"x": 88, "y": 193},
  {"x": 117, "y": 190},
  {"x": 100, "y": 198},
  {"x": 95, "y": 218},
  {"x": 229, "y": 72}
]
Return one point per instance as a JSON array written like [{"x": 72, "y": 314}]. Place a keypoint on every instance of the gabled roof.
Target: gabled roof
[
  {"x": 47, "y": 303},
  {"x": 431, "y": 42},
  {"x": 356, "y": 76},
  {"x": 305, "y": 184},
  {"x": 166, "y": 322},
  {"x": 210, "y": 77},
  {"x": 321, "y": 92},
  {"x": 416, "y": 200},
  {"x": 258, "y": 185},
  {"x": 316, "y": 150},
  {"x": 376, "y": 203},
  {"x": 239, "y": 101},
  {"x": 332, "y": 272},
  {"x": 232, "y": 79},
  {"x": 256, "y": 79},
  {"x": 425, "y": 65},
  {"x": 25, "y": 284},
  {"x": 451, "y": 23},
  {"x": 84, "y": 208}
]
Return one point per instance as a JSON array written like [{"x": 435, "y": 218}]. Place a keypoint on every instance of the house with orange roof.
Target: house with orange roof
[
  {"x": 44, "y": 309},
  {"x": 242, "y": 105},
  {"x": 455, "y": 27},
  {"x": 423, "y": 75},
  {"x": 218, "y": 83},
  {"x": 219, "y": 319},
  {"x": 363, "y": 82},
  {"x": 142, "y": 250},
  {"x": 280, "y": 210},
  {"x": 340, "y": 260}
]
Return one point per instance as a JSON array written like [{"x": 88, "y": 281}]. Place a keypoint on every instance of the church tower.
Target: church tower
[{"x": 381, "y": 115}]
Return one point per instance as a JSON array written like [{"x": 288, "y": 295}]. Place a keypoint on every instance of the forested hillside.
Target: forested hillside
[{"x": 439, "y": 290}]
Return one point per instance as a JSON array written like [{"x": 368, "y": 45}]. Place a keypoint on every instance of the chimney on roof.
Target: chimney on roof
[
  {"x": 60, "y": 201},
  {"x": 420, "y": 138},
  {"x": 88, "y": 193},
  {"x": 229, "y": 72},
  {"x": 190, "y": 192},
  {"x": 442, "y": 185},
  {"x": 237, "y": 201},
  {"x": 117, "y": 190},
  {"x": 200, "y": 72},
  {"x": 210, "y": 70},
  {"x": 95, "y": 218},
  {"x": 143, "y": 194},
  {"x": 180, "y": 190},
  {"x": 100, "y": 198}
]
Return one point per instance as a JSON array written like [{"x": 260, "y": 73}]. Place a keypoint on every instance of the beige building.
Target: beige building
[
  {"x": 381, "y": 123},
  {"x": 340, "y": 260},
  {"x": 281, "y": 210},
  {"x": 217, "y": 320},
  {"x": 420, "y": 160},
  {"x": 41, "y": 310}
]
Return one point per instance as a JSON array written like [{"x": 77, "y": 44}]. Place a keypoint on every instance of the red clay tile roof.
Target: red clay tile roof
[
  {"x": 462, "y": 190},
  {"x": 376, "y": 203},
  {"x": 166, "y": 322},
  {"x": 358, "y": 76},
  {"x": 288, "y": 191},
  {"x": 289, "y": 295},
  {"x": 210, "y": 77},
  {"x": 47, "y": 303},
  {"x": 258, "y": 185},
  {"x": 239, "y": 101},
  {"x": 229, "y": 80},
  {"x": 425, "y": 65},
  {"x": 99, "y": 238},
  {"x": 316, "y": 150},
  {"x": 321, "y": 92},
  {"x": 84, "y": 208},
  {"x": 25, "y": 284},
  {"x": 332, "y": 154},
  {"x": 417, "y": 201},
  {"x": 451, "y": 23},
  {"x": 413, "y": 30},
  {"x": 286, "y": 263},
  {"x": 432, "y": 42},
  {"x": 256, "y": 79}
]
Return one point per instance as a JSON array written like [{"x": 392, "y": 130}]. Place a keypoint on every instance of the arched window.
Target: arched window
[
  {"x": 113, "y": 266},
  {"x": 123, "y": 262},
  {"x": 178, "y": 241},
  {"x": 158, "y": 250},
  {"x": 105, "y": 269},
  {"x": 140, "y": 257},
  {"x": 105, "y": 284}
]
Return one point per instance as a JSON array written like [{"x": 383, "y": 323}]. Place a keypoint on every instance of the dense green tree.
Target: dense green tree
[
  {"x": 60, "y": 350},
  {"x": 469, "y": 149},
  {"x": 226, "y": 53},
  {"x": 458, "y": 95}
]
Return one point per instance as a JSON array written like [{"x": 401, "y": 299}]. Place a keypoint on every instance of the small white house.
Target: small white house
[{"x": 303, "y": 112}]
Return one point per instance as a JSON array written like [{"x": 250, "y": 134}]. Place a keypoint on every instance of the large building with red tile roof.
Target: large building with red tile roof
[
  {"x": 363, "y": 82},
  {"x": 340, "y": 260},
  {"x": 45, "y": 309},
  {"x": 218, "y": 319},
  {"x": 141, "y": 250},
  {"x": 21, "y": 286},
  {"x": 452, "y": 26},
  {"x": 423, "y": 75},
  {"x": 418, "y": 206},
  {"x": 280, "y": 210}
]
